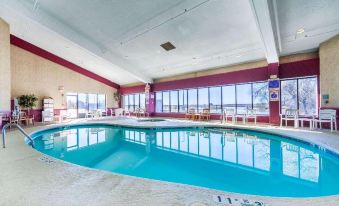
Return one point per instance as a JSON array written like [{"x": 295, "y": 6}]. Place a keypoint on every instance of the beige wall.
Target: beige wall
[
  {"x": 32, "y": 74},
  {"x": 329, "y": 70},
  {"x": 5, "y": 67}
]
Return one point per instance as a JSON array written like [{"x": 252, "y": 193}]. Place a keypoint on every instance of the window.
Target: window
[
  {"x": 165, "y": 102},
  {"x": 244, "y": 98},
  {"x": 215, "y": 99},
  {"x": 260, "y": 98},
  {"x": 158, "y": 103},
  {"x": 307, "y": 96},
  {"x": 136, "y": 101},
  {"x": 174, "y": 101},
  {"x": 239, "y": 97},
  {"x": 289, "y": 95},
  {"x": 228, "y": 97},
  {"x": 300, "y": 94},
  {"x": 203, "y": 99},
  {"x": 142, "y": 101},
  {"x": 82, "y": 104},
  {"x": 92, "y": 102},
  {"x": 131, "y": 102},
  {"x": 126, "y": 102},
  {"x": 182, "y": 100},
  {"x": 192, "y": 99},
  {"x": 72, "y": 105},
  {"x": 78, "y": 104},
  {"x": 102, "y": 102}
]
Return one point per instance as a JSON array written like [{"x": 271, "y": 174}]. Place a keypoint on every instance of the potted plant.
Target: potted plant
[
  {"x": 116, "y": 96},
  {"x": 27, "y": 101}
]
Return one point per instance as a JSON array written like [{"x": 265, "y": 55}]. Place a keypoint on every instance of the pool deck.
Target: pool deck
[{"x": 31, "y": 178}]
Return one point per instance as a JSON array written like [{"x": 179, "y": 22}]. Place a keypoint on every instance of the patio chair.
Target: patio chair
[
  {"x": 228, "y": 113},
  {"x": 205, "y": 114},
  {"x": 251, "y": 114},
  {"x": 190, "y": 114},
  {"x": 290, "y": 115},
  {"x": 326, "y": 116}
]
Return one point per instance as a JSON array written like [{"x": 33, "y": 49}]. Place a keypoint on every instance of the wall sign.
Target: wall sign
[{"x": 274, "y": 89}]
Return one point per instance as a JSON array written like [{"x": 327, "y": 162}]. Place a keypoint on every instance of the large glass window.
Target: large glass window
[
  {"x": 165, "y": 102},
  {"x": 136, "y": 101},
  {"x": 244, "y": 98},
  {"x": 92, "y": 102},
  {"x": 158, "y": 102},
  {"x": 78, "y": 104},
  {"x": 307, "y": 96},
  {"x": 203, "y": 102},
  {"x": 260, "y": 98},
  {"x": 126, "y": 102},
  {"x": 82, "y": 104},
  {"x": 131, "y": 102},
  {"x": 182, "y": 100},
  {"x": 174, "y": 101},
  {"x": 102, "y": 102},
  {"x": 300, "y": 94},
  {"x": 142, "y": 101},
  {"x": 289, "y": 95},
  {"x": 215, "y": 99},
  {"x": 72, "y": 105},
  {"x": 228, "y": 97},
  {"x": 192, "y": 99},
  {"x": 239, "y": 97}
]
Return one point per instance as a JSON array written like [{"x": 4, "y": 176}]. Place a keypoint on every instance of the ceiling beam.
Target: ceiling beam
[{"x": 264, "y": 16}]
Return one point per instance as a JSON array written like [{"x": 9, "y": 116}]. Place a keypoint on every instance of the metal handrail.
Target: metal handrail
[{"x": 20, "y": 129}]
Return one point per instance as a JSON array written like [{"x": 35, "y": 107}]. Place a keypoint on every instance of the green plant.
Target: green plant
[
  {"x": 116, "y": 96},
  {"x": 27, "y": 101}
]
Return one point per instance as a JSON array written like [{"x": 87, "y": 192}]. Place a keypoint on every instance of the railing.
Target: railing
[{"x": 31, "y": 142}]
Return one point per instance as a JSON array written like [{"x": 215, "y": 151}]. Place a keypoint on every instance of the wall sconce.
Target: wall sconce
[{"x": 62, "y": 90}]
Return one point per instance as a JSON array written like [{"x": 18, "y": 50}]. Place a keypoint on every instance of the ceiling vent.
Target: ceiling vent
[{"x": 168, "y": 46}]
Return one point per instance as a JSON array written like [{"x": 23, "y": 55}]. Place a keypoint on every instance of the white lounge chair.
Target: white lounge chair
[
  {"x": 251, "y": 114},
  {"x": 326, "y": 116},
  {"x": 290, "y": 115},
  {"x": 228, "y": 113}
]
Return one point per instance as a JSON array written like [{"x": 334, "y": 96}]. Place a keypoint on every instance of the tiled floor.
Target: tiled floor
[{"x": 30, "y": 178}]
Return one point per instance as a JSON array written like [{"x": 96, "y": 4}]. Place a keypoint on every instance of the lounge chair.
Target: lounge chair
[
  {"x": 290, "y": 115},
  {"x": 190, "y": 114},
  {"x": 251, "y": 114},
  {"x": 326, "y": 116},
  {"x": 228, "y": 113},
  {"x": 205, "y": 114}
]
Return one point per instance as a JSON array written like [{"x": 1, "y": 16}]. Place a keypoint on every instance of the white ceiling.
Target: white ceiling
[{"x": 120, "y": 40}]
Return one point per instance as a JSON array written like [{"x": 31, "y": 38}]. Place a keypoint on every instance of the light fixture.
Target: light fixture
[
  {"x": 167, "y": 46},
  {"x": 300, "y": 31},
  {"x": 61, "y": 90}
]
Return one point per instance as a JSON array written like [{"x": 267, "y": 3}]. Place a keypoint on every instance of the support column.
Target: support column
[
  {"x": 5, "y": 68},
  {"x": 273, "y": 71},
  {"x": 150, "y": 99}
]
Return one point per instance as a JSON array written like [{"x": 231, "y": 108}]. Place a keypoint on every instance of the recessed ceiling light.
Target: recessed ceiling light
[
  {"x": 300, "y": 31},
  {"x": 238, "y": 56}
]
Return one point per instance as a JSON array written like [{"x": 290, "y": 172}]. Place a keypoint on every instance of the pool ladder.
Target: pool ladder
[{"x": 20, "y": 129}]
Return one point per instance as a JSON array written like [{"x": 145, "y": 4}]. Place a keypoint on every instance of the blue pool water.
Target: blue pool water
[{"x": 230, "y": 160}]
